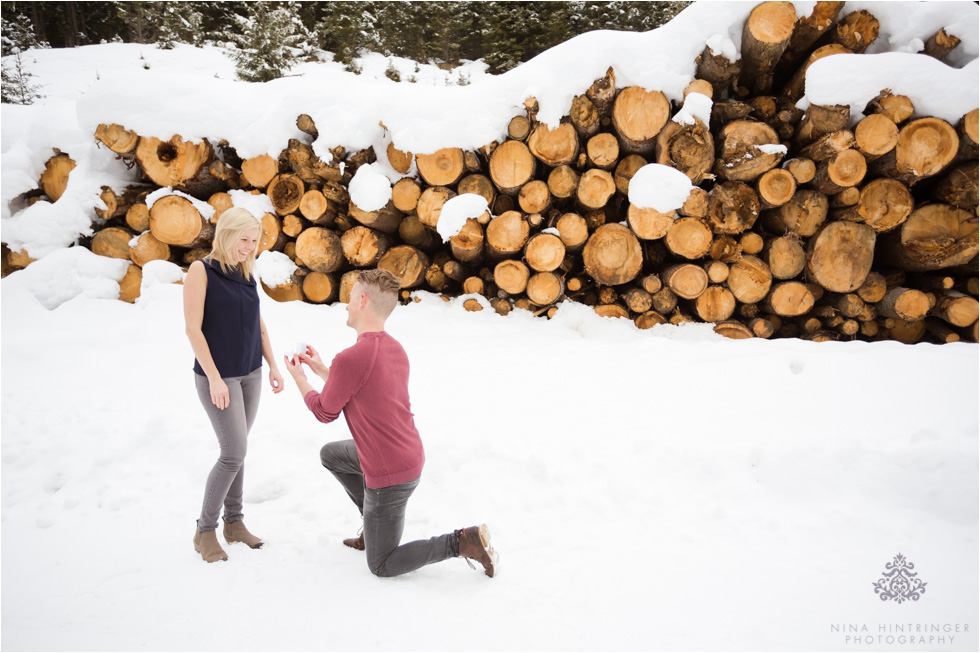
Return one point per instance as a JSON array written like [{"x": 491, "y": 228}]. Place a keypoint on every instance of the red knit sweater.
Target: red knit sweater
[{"x": 369, "y": 383}]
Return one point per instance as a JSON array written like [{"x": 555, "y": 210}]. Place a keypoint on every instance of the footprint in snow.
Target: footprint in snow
[{"x": 796, "y": 367}]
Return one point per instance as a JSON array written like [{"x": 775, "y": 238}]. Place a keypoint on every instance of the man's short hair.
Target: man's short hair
[{"x": 382, "y": 287}]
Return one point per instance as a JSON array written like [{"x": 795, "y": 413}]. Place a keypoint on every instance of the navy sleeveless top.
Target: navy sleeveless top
[{"x": 231, "y": 322}]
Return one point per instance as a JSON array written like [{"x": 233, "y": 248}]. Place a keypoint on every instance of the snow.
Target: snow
[
  {"x": 696, "y": 105},
  {"x": 256, "y": 204},
  {"x": 205, "y": 209},
  {"x": 647, "y": 490},
  {"x": 456, "y": 211},
  {"x": 274, "y": 268},
  {"x": 772, "y": 148},
  {"x": 370, "y": 189},
  {"x": 659, "y": 187},
  {"x": 722, "y": 45}
]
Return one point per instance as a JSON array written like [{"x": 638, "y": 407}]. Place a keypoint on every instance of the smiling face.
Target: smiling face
[{"x": 246, "y": 244}]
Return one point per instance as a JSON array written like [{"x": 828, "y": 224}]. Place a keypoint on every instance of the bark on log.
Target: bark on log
[
  {"x": 956, "y": 308},
  {"x": 765, "y": 37},
  {"x": 638, "y": 116},
  {"x": 935, "y": 236},
  {"x": 940, "y": 44},
  {"x": 717, "y": 70},
  {"x": 441, "y": 168},
  {"x": 856, "y": 31},
  {"x": 969, "y": 134},
  {"x": 959, "y": 187},
  {"x": 794, "y": 88},
  {"x": 807, "y": 31},
  {"x": 839, "y": 257},
  {"x": 612, "y": 255}
]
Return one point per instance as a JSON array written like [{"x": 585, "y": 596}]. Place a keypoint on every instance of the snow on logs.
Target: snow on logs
[{"x": 811, "y": 224}]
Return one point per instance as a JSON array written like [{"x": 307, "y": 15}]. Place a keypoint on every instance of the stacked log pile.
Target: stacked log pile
[{"x": 800, "y": 224}]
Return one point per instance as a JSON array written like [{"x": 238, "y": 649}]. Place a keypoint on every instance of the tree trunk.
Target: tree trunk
[
  {"x": 118, "y": 139},
  {"x": 775, "y": 188},
  {"x": 807, "y": 31},
  {"x": 603, "y": 150},
  {"x": 819, "y": 120},
  {"x": 286, "y": 193},
  {"x": 715, "y": 304},
  {"x": 182, "y": 165},
  {"x": 875, "y": 136},
  {"x": 956, "y": 308},
  {"x": 841, "y": 171},
  {"x": 407, "y": 263},
  {"x": 321, "y": 250},
  {"x": 649, "y": 224},
  {"x": 801, "y": 168},
  {"x": 405, "y": 195},
  {"x": 441, "y": 168},
  {"x": 147, "y": 249},
  {"x": 969, "y": 134},
  {"x": 765, "y": 37},
  {"x": 364, "y": 247},
  {"x": 612, "y": 255},
  {"x": 685, "y": 280},
  {"x": 839, "y": 257},
  {"x": 534, "y": 197},
  {"x": 904, "y": 304},
  {"x": 595, "y": 187},
  {"x": 386, "y": 219},
  {"x": 112, "y": 242},
  {"x": 320, "y": 288},
  {"x": 749, "y": 279},
  {"x": 573, "y": 231}
]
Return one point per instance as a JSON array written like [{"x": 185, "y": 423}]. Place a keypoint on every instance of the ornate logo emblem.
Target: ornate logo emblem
[{"x": 898, "y": 582}]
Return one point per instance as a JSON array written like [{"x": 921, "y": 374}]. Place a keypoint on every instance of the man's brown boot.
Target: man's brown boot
[
  {"x": 236, "y": 532},
  {"x": 206, "y": 544},
  {"x": 356, "y": 542},
  {"x": 473, "y": 543}
]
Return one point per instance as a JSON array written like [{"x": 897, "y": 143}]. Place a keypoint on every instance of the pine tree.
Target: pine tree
[
  {"x": 346, "y": 27},
  {"x": 267, "y": 35},
  {"x": 17, "y": 83},
  {"x": 181, "y": 22},
  {"x": 18, "y": 35}
]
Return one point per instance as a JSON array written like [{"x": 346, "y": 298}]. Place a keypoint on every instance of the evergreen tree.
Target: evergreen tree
[
  {"x": 182, "y": 22},
  {"x": 18, "y": 35},
  {"x": 345, "y": 29},
  {"x": 267, "y": 34},
  {"x": 17, "y": 82}
]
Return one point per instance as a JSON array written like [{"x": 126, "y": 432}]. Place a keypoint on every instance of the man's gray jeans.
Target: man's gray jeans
[
  {"x": 383, "y": 510},
  {"x": 227, "y": 478}
]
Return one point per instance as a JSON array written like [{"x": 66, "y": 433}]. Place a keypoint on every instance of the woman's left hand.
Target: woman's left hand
[{"x": 275, "y": 378}]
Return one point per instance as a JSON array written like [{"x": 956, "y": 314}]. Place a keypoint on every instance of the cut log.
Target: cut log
[
  {"x": 554, "y": 147},
  {"x": 511, "y": 276},
  {"x": 875, "y": 136},
  {"x": 904, "y": 304},
  {"x": 689, "y": 237},
  {"x": 441, "y": 168},
  {"x": 725, "y": 249},
  {"x": 940, "y": 331},
  {"x": 612, "y": 310},
  {"x": 544, "y": 289},
  {"x": 147, "y": 249},
  {"x": 511, "y": 166},
  {"x": 908, "y": 332},
  {"x": 935, "y": 236},
  {"x": 221, "y": 202},
  {"x": 405, "y": 194},
  {"x": 696, "y": 204},
  {"x": 747, "y": 149},
  {"x": 664, "y": 301},
  {"x": 315, "y": 207},
  {"x": 534, "y": 197},
  {"x": 602, "y": 92},
  {"x": 138, "y": 217},
  {"x": 801, "y": 168},
  {"x": 807, "y": 31},
  {"x": 175, "y": 221},
  {"x": 688, "y": 148},
  {"x": 897, "y": 108},
  {"x": 649, "y": 319},
  {"x": 649, "y": 224},
  {"x": 293, "y": 225},
  {"x": 819, "y": 121},
  {"x": 785, "y": 257},
  {"x": 715, "y": 304},
  {"x": 518, "y": 128},
  {"x": 563, "y": 182},
  {"x": 717, "y": 70},
  {"x": 625, "y": 170},
  {"x": 286, "y": 192},
  {"x": 364, "y": 247},
  {"x": 789, "y": 299},
  {"x": 749, "y": 279},
  {"x": 638, "y": 116},
  {"x": 839, "y": 257},
  {"x": 717, "y": 271},
  {"x": 856, "y": 31},
  {"x": 733, "y": 207},
  {"x": 573, "y": 231},
  {"x": 765, "y": 37},
  {"x": 129, "y": 285},
  {"x": 386, "y": 219},
  {"x": 259, "y": 171},
  {"x": 112, "y": 242},
  {"x": 685, "y": 280},
  {"x": 507, "y": 234},
  {"x": 180, "y": 164},
  {"x": 843, "y": 170},
  {"x": 430, "y": 204},
  {"x": 298, "y": 158},
  {"x": 544, "y": 252},
  {"x": 467, "y": 245},
  {"x": 829, "y": 145},
  {"x": 794, "y": 88},
  {"x": 802, "y": 215},
  {"x": 637, "y": 299},
  {"x": 925, "y": 146},
  {"x": 940, "y": 44},
  {"x": 603, "y": 150},
  {"x": 845, "y": 198},
  {"x": 117, "y": 138},
  {"x": 477, "y": 184},
  {"x": 959, "y": 187},
  {"x": 701, "y": 86},
  {"x": 733, "y": 329},
  {"x": 321, "y": 250},
  {"x": 290, "y": 291},
  {"x": 272, "y": 238},
  {"x": 399, "y": 160},
  {"x": 761, "y": 327},
  {"x": 584, "y": 116},
  {"x": 407, "y": 263},
  {"x": 595, "y": 187},
  {"x": 956, "y": 308},
  {"x": 873, "y": 289},
  {"x": 883, "y": 204},
  {"x": 775, "y": 188},
  {"x": 54, "y": 179},
  {"x": 751, "y": 243},
  {"x": 413, "y": 232},
  {"x": 320, "y": 288},
  {"x": 613, "y": 255}
]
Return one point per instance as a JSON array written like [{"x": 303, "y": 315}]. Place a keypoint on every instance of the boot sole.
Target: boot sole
[{"x": 485, "y": 541}]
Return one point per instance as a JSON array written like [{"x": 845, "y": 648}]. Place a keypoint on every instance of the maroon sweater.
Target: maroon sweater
[{"x": 369, "y": 383}]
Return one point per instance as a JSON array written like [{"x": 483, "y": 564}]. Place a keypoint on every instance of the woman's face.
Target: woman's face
[{"x": 248, "y": 242}]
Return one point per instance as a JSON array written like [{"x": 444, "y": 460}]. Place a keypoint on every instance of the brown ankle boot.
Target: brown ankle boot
[
  {"x": 474, "y": 544},
  {"x": 236, "y": 532},
  {"x": 206, "y": 544},
  {"x": 356, "y": 542}
]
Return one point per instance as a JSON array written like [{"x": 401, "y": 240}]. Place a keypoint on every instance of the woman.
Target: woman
[{"x": 229, "y": 338}]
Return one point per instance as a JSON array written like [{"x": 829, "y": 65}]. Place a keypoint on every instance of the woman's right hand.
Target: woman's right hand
[
  {"x": 312, "y": 358},
  {"x": 219, "y": 393}
]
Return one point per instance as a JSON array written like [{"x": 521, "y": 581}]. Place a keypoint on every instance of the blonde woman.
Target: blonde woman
[{"x": 229, "y": 339}]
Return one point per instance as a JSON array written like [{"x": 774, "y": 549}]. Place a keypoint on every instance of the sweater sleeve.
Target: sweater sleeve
[{"x": 346, "y": 376}]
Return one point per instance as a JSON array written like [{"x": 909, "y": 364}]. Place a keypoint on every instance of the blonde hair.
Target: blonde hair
[
  {"x": 382, "y": 287},
  {"x": 231, "y": 225}
]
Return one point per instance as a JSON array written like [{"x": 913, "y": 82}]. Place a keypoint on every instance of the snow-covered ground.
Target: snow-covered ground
[{"x": 647, "y": 490}]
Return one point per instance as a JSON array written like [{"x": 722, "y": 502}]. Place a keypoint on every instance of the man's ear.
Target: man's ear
[{"x": 363, "y": 301}]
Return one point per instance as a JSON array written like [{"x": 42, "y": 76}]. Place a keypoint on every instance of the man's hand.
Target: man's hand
[
  {"x": 312, "y": 358},
  {"x": 295, "y": 369}
]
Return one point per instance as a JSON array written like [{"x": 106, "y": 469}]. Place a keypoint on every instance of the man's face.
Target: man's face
[{"x": 354, "y": 307}]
